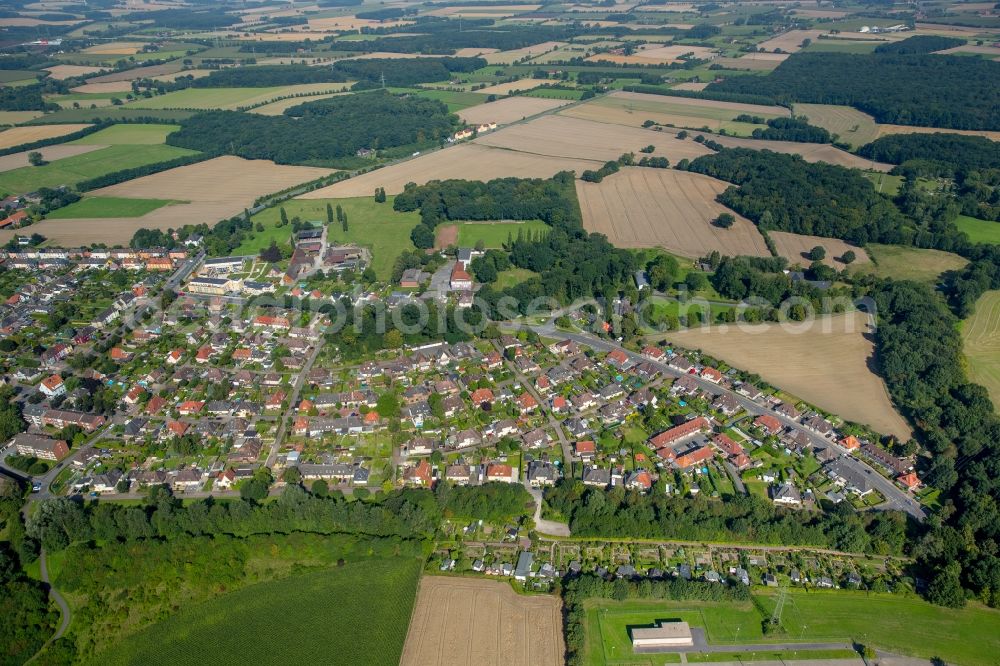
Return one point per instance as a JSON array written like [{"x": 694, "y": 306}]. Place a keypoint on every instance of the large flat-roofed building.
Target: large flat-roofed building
[
  {"x": 213, "y": 286},
  {"x": 665, "y": 635},
  {"x": 221, "y": 265}
]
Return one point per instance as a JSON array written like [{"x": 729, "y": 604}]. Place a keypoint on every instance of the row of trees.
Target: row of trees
[{"x": 740, "y": 519}]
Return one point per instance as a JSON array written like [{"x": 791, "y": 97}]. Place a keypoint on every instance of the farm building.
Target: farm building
[{"x": 665, "y": 635}]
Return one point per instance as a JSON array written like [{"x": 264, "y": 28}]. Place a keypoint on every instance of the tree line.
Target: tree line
[
  {"x": 319, "y": 132},
  {"x": 919, "y": 89}
]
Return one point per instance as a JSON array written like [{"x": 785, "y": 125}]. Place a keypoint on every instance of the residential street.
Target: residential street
[{"x": 896, "y": 499}]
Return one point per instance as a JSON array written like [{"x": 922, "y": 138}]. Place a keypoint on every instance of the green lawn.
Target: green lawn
[
  {"x": 979, "y": 231},
  {"x": 456, "y": 101},
  {"x": 911, "y": 626},
  {"x": 129, "y": 134},
  {"x": 908, "y": 263},
  {"x": 981, "y": 343},
  {"x": 495, "y": 234},
  {"x": 883, "y": 182},
  {"x": 108, "y": 207},
  {"x": 354, "y": 614},
  {"x": 370, "y": 224},
  {"x": 513, "y": 276},
  {"x": 72, "y": 170}
]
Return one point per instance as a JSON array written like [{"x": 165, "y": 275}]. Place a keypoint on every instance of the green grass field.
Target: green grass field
[
  {"x": 979, "y": 231},
  {"x": 907, "y": 263},
  {"x": 370, "y": 224},
  {"x": 842, "y": 46},
  {"x": 108, "y": 207},
  {"x": 355, "y": 614},
  {"x": 910, "y": 626},
  {"x": 549, "y": 93},
  {"x": 513, "y": 276},
  {"x": 456, "y": 101},
  {"x": 107, "y": 113},
  {"x": 495, "y": 234},
  {"x": 884, "y": 182},
  {"x": 129, "y": 134},
  {"x": 72, "y": 170},
  {"x": 981, "y": 343}
]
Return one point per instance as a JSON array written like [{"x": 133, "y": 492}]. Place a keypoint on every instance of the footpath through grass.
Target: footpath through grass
[
  {"x": 373, "y": 225},
  {"x": 905, "y": 625},
  {"x": 355, "y": 614}
]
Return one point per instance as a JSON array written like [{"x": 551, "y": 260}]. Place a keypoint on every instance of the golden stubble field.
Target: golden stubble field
[
  {"x": 211, "y": 191},
  {"x": 642, "y": 207},
  {"x": 509, "y": 109},
  {"x": 825, "y": 362},
  {"x": 796, "y": 247},
  {"x": 572, "y": 137},
  {"x": 15, "y": 136},
  {"x": 810, "y": 152},
  {"x": 467, "y": 161},
  {"x": 459, "y": 621}
]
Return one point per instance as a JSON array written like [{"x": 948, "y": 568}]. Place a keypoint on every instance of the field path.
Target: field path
[{"x": 67, "y": 616}]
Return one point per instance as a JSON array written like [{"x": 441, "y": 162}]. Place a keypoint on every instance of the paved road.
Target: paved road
[
  {"x": 293, "y": 402},
  {"x": 896, "y": 499}
]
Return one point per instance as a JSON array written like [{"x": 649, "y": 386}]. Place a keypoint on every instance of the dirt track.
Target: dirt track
[
  {"x": 462, "y": 621},
  {"x": 643, "y": 207}
]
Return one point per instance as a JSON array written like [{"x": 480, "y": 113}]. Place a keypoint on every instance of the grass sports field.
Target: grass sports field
[
  {"x": 979, "y": 231},
  {"x": 492, "y": 234},
  {"x": 129, "y": 134},
  {"x": 358, "y": 612},
  {"x": 907, "y": 263},
  {"x": 981, "y": 343},
  {"x": 72, "y": 170},
  {"x": 108, "y": 207},
  {"x": 910, "y": 626},
  {"x": 371, "y": 224}
]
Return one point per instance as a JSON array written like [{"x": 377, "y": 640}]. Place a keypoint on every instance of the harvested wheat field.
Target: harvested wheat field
[
  {"x": 885, "y": 130},
  {"x": 796, "y": 247},
  {"x": 855, "y": 127},
  {"x": 115, "y": 48},
  {"x": 657, "y": 55},
  {"x": 825, "y": 362},
  {"x": 15, "y": 136},
  {"x": 641, "y": 207},
  {"x": 513, "y": 86},
  {"x": 61, "y": 72},
  {"x": 467, "y": 161},
  {"x": 576, "y": 138},
  {"x": 49, "y": 154},
  {"x": 634, "y": 109},
  {"x": 15, "y": 117},
  {"x": 508, "y": 57},
  {"x": 215, "y": 189},
  {"x": 810, "y": 152},
  {"x": 458, "y": 621},
  {"x": 791, "y": 41},
  {"x": 691, "y": 85},
  {"x": 108, "y": 87},
  {"x": 139, "y": 73},
  {"x": 509, "y": 109}
]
